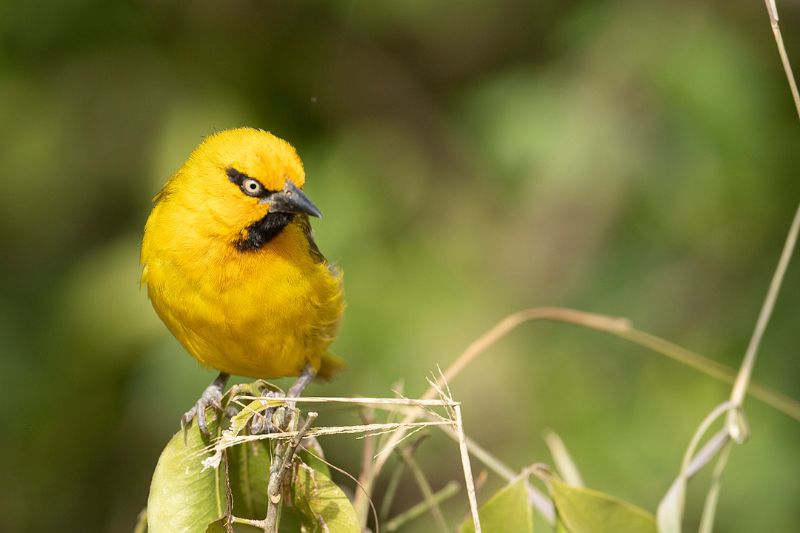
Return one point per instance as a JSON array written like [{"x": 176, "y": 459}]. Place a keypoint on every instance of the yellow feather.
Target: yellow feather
[{"x": 263, "y": 312}]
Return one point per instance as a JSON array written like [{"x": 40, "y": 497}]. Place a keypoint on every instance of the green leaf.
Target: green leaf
[
  {"x": 183, "y": 497},
  {"x": 507, "y": 510},
  {"x": 290, "y": 521},
  {"x": 565, "y": 465},
  {"x": 251, "y": 388},
  {"x": 248, "y": 467},
  {"x": 241, "y": 420},
  {"x": 248, "y": 471},
  {"x": 313, "y": 456},
  {"x": 217, "y": 526},
  {"x": 582, "y": 510},
  {"x": 670, "y": 511},
  {"x": 322, "y": 506}
]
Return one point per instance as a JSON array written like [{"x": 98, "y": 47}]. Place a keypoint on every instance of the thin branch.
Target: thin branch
[
  {"x": 670, "y": 509},
  {"x": 424, "y": 487},
  {"x": 480, "y": 481},
  {"x": 446, "y": 492},
  {"x": 616, "y": 326},
  {"x": 284, "y": 452},
  {"x": 781, "y": 402},
  {"x": 710, "y": 507},
  {"x": 708, "y": 452},
  {"x": 485, "y": 341},
  {"x": 367, "y": 417},
  {"x": 509, "y": 323},
  {"x": 700, "y": 432},
  {"x": 470, "y": 484},
  {"x": 227, "y": 442},
  {"x": 391, "y": 490},
  {"x": 738, "y": 432},
  {"x": 426, "y": 402},
  {"x": 772, "y": 10},
  {"x": 736, "y": 424},
  {"x": 248, "y": 522},
  {"x": 359, "y": 502},
  {"x": 537, "y": 498}
]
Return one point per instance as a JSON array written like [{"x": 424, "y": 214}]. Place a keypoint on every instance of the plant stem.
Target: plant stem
[
  {"x": 280, "y": 466},
  {"x": 448, "y": 491},
  {"x": 424, "y": 487},
  {"x": 738, "y": 432}
]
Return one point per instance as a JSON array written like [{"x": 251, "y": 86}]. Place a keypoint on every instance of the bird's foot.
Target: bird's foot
[
  {"x": 263, "y": 422},
  {"x": 284, "y": 414},
  {"x": 211, "y": 397}
]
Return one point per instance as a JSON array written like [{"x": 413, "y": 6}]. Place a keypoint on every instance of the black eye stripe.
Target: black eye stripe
[
  {"x": 235, "y": 176},
  {"x": 239, "y": 178}
]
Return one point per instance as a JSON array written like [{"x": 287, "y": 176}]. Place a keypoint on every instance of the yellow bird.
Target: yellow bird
[{"x": 232, "y": 269}]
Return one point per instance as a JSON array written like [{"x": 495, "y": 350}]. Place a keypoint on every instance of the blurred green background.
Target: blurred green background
[{"x": 472, "y": 158}]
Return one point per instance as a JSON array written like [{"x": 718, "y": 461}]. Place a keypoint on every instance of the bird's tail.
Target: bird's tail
[{"x": 330, "y": 366}]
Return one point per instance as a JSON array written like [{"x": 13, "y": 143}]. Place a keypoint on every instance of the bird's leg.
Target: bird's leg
[
  {"x": 306, "y": 377},
  {"x": 264, "y": 424},
  {"x": 211, "y": 397}
]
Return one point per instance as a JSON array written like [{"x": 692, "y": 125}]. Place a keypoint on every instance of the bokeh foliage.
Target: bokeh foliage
[{"x": 471, "y": 158}]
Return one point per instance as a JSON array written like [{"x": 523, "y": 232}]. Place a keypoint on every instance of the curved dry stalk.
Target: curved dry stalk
[
  {"x": 780, "y": 402},
  {"x": 620, "y": 327},
  {"x": 772, "y": 10},
  {"x": 738, "y": 431}
]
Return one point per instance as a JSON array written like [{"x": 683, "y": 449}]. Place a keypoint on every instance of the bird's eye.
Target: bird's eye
[{"x": 252, "y": 187}]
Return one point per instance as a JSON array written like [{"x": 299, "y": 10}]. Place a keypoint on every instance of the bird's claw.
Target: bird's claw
[
  {"x": 262, "y": 422},
  {"x": 285, "y": 413},
  {"x": 211, "y": 397}
]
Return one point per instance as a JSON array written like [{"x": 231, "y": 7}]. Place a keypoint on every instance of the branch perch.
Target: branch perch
[{"x": 280, "y": 466}]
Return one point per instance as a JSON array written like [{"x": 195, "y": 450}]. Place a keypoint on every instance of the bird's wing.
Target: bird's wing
[
  {"x": 305, "y": 225},
  {"x": 166, "y": 190}
]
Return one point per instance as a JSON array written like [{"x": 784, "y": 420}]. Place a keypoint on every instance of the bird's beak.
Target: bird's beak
[{"x": 291, "y": 200}]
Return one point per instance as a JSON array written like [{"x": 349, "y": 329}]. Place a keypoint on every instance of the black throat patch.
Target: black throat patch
[{"x": 261, "y": 232}]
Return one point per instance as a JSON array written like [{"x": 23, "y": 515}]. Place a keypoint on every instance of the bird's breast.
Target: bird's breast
[{"x": 259, "y": 313}]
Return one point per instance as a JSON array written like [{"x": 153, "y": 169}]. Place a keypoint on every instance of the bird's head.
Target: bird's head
[{"x": 245, "y": 184}]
